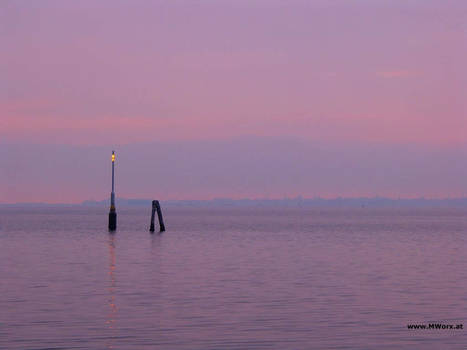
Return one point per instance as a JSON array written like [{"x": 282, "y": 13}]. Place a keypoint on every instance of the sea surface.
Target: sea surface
[{"x": 233, "y": 278}]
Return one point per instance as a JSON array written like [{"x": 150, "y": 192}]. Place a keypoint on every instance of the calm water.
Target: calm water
[{"x": 232, "y": 279}]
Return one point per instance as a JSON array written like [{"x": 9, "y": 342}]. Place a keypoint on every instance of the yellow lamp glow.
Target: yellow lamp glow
[{"x": 113, "y": 157}]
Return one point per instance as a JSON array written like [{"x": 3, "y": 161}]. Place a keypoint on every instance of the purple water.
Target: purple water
[{"x": 232, "y": 279}]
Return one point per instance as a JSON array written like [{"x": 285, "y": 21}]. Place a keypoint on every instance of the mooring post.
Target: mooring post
[
  {"x": 156, "y": 207},
  {"x": 112, "y": 212},
  {"x": 151, "y": 228}
]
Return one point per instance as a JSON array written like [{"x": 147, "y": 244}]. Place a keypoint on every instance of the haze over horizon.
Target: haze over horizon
[{"x": 257, "y": 99}]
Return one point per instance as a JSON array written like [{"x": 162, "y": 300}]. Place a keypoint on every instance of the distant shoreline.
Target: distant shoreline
[{"x": 374, "y": 202}]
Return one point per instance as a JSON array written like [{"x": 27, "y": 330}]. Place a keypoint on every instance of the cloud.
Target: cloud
[
  {"x": 241, "y": 167},
  {"x": 397, "y": 74}
]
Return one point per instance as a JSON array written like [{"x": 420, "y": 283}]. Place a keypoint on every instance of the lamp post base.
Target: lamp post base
[{"x": 112, "y": 220}]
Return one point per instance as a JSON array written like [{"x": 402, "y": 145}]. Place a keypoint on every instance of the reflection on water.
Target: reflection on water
[
  {"x": 111, "y": 318},
  {"x": 233, "y": 279}
]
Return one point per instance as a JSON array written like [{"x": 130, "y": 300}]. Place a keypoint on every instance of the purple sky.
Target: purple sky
[{"x": 204, "y": 99}]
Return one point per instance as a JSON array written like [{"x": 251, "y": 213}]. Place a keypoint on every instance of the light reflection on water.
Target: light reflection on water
[
  {"x": 112, "y": 304},
  {"x": 232, "y": 279}
]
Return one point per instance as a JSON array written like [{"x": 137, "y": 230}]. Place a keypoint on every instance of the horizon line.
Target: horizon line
[{"x": 228, "y": 199}]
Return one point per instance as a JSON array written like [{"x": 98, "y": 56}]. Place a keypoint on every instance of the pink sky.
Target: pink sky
[{"x": 81, "y": 78}]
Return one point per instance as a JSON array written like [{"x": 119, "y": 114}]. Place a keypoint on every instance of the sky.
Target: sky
[{"x": 232, "y": 98}]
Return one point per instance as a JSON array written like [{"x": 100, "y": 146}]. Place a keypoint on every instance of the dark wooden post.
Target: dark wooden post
[{"x": 156, "y": 207}]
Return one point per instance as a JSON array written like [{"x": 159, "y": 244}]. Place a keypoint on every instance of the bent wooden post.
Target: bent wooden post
[{"x": 156, "y": 207}]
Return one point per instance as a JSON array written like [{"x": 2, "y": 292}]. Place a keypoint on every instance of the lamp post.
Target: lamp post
[{"x": 112, "y": 212}]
